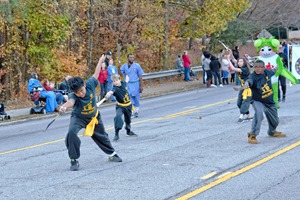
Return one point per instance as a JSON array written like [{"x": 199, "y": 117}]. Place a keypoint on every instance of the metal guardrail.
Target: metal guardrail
[{"x": 168, "y": 73}]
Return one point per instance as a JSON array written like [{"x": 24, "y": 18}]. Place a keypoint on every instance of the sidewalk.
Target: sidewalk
[{"x": 149, "y": 91}]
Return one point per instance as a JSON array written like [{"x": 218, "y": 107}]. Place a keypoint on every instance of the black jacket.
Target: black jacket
[{"x": 214, "y": 65}]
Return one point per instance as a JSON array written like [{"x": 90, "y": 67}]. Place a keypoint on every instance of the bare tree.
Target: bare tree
[{"x": 270, "y": 13}]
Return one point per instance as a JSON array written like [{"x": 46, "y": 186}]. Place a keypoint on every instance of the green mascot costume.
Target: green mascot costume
[{"x": 267, "y": 48}]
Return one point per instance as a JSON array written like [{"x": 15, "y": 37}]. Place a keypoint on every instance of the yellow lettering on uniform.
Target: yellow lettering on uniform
[
  {"x": 266, "y": 91},
  {"x": 126, "y": 98}
]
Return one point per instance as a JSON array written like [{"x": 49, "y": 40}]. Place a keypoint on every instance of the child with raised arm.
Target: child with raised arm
[
  {"x": 123, "y": 106},
  {"x": 262, "y": 95},
  {"x": 244, "y": 97},
  {"x": 86, "y": 115}
]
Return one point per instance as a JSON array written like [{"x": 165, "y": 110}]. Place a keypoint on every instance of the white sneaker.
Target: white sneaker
[
  {"x": 221, "y": 85},
  {"x": 212, "y": 85}
]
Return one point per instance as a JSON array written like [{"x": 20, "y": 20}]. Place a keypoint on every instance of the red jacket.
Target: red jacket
[
  {"x": 186, "y": 61},
  {"x": 103, "y": 76}
]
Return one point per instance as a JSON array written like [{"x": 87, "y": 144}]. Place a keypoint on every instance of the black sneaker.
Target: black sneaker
[
  {"x": 115, "y": 158},
  {"x": 130, "y": 133},
  {"x": 74, "y": 165},
  {"x": 240, "y": 120}
]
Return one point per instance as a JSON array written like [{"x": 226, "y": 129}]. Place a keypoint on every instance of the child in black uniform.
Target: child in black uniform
[
  {"x": 262, "y": 95},
  {"x": 123, "y": 106},
  {"x": 244, "y": 97},
  {"x": 84, "y": 115}
]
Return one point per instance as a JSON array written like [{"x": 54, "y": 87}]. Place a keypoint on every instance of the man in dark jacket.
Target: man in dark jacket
[
  {"x": 65, "y": 85},
  {"x": 282, "y": 79},
  {"x": 215, "y": 66}
]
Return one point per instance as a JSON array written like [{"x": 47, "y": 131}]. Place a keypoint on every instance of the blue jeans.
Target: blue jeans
[
  {"x": 187, "y": 74},
  {"x": 102, "y": 90},
  {"x": 217, "y": 77},
  {"x": 59, "y": 98}
]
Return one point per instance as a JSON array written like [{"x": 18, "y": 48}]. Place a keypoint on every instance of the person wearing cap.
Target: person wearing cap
[
  {"x": 133, "y": 72},
  {"x": 108, "y": 57}
]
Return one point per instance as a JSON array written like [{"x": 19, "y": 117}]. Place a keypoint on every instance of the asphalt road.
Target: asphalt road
[{"x": 189, "y": 146}]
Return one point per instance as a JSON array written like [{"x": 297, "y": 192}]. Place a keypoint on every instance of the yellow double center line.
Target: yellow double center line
[{"x": 238, "y": 172}]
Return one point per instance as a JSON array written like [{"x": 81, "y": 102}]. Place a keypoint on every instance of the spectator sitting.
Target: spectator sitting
[
  {"x": 60, "y": 98},
  {"x": 51, "y": 104},
  {"x": 193, "y": 74},
  {"x": 179, "y": 65}
]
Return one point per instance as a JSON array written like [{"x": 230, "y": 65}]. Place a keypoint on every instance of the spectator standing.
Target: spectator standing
[
  {"x": 215, "y": 67},
  {"x": 236, "y": 55},
  {"x": 186, "y": 66},
  {"x": 102, "y": 78},
  {"x": 111, "y": 70},
  {"x": 282, "y": 79},
  {"x": 285, "y": 48},
  {"x": 133, "y": 72},
  {"x": 206, "y": 62},
  {"x": 108, "y": 56},
  {"x": 225, "y": 64},
  {"x": 204, "y": 75}
]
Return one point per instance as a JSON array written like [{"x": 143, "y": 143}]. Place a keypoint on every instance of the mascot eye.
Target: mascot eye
[
  {"x": 262, "y": 50},
  {"x": 270, "y": 49}
]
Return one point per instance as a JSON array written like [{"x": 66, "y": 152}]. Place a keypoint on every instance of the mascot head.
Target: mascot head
[{"x": 267, "y": 47}]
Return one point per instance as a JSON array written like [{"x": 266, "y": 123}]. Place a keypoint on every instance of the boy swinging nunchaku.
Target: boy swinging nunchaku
[{"x": 60, "y": 113}]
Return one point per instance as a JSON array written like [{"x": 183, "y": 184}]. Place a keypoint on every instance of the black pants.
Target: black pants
[
  {"x": 282, "y": 83},
  {"x": 100, "y": 137},
  {"x": 120, "y": 111}
]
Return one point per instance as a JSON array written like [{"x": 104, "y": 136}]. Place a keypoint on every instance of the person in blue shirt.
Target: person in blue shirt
[
  {"x": 33, "y": 84},
  {"x": 134, "y": 72}
]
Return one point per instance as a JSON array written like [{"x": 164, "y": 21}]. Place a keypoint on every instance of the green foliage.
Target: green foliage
[
  {"x": 56, "y": 38},
  {"x": 209, "y": 16}
]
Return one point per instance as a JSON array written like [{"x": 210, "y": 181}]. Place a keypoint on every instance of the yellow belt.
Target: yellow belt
[
  {"x": 124, "y": 104},
  {"x": 89, "y": 130}
]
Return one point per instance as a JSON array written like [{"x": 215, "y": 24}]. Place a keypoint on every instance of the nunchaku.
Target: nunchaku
[{"x": 60, "y": 113}]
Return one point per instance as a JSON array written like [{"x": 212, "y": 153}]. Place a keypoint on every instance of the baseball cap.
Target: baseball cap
[{"x": 108, "y": 53}]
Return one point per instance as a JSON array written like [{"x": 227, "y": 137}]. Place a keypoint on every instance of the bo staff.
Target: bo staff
[{"x": 100, "y": 102}]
